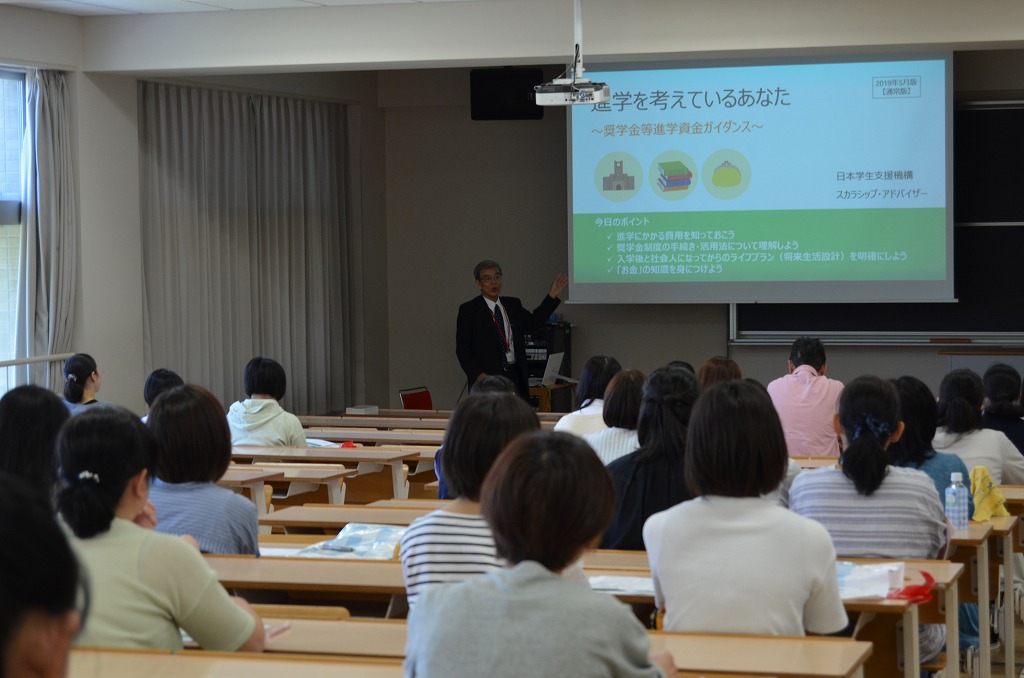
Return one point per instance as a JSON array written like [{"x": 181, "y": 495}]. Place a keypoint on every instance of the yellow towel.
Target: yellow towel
[{"x": 988, "y": 500}]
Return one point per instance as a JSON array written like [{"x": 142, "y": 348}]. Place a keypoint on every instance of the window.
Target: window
[{"x": 12, "y": 131}]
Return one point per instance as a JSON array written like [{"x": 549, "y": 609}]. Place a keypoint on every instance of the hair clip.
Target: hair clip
[
  {"x": 70, "y": 377},
  {"x": 89, "y": 475}
]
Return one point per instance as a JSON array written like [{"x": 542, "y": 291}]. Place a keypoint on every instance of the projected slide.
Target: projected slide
[{"x": 788, "y": 182}]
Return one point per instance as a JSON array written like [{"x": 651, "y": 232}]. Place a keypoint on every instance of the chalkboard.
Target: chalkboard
[{"x": 988, "y": 250}]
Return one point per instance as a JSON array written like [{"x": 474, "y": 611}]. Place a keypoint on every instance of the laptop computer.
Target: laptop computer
[{"x": 550, "y": 371}]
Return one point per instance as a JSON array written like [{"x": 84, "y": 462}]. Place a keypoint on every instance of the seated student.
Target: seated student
[
  {"x": 701, "y": 550},
  {"x": 30, "y": 417},
  {"x": 920, "y": 417},
  {"x": 717, "y": 368},
  {"x": 260, "y": 420},
  {"x": 872, "y": 509},
  {"x": 195, "y": 450},
  {"x": 1003, "y": 409},
  {"x": 621, "y": 413},
  {"x": 39, "y": 585},
  {"x": 145, "y": 585},
  {"x": 157, "y": 382},
  {"x": 961, "y": 397},
  {"x": 82, "y": 382},
  {"x": 807, "y": 400},
  {"x": 589, "y": 417},
  {"x": 492, "y": 383},
  {"x": 651, "y": 479},
  {"x": 547, "y": 499},
  {"x": 454, "y": 543}
]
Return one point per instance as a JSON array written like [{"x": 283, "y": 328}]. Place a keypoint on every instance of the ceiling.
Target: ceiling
[{"x": 119, "y": 7}]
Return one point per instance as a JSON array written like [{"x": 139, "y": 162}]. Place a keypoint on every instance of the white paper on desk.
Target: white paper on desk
[
  {"x": 320, "y": 442},
  {"x": 868, "y": 581},
  {"x": 278, "y": 551},
  {"x": 614, "y": 584}
]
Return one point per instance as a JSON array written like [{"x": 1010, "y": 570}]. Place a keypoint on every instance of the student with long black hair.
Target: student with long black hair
[
  {"x": 871, "y": 508},
  {"x": 145, "y": 585},
  {"x": 40, "y": 585},
  {"x": 1003, "y": 410},
  {"x": 594, "y": 379},
  {"x": 961, "y": 399},
  {"x": 30, "y": 417}
]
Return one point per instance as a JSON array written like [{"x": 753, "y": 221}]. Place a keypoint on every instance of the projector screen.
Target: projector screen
[{"x": 785, "y": 182}]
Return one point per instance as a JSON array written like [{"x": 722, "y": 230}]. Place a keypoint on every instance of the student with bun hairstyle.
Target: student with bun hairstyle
[
  {"x": 40, "y": 584},
  {"x": 145, "y": 585},
  {"x": 700, "y": 550},
  {"x": 195, "y": 450},
  {"x": 961, "y": 398},
  {"x": 260, "y": 419},
  {"x": 30, "y": 418},
  {"x": 872, "y": 509},
  {"x": 1003, "y": 409},
  {"x": 454, "y": 543},
  {"x": 81, "y": 382},
  {"x": 547, "y": 499},
  {"x": 651, "y": 479}
]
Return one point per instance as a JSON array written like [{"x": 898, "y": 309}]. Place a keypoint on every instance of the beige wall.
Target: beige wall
[{"x": 437, "y": 191}]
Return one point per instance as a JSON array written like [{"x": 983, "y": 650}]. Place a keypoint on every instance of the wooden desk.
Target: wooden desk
[
  {"x": 368, "y": 460},
  {"x": 375, "y": 437},
  {"x": 1001, "y": 552},
  {"x": 711, "y": 654},
  {"x": 90, "y": 663},
  {"x": 431, "y": 504},
  {"x": 361, "y": 637},
  {"x": 693, "y": 653},
  {"x": 328, "y": 475},
  {"x": 543, "y": 395},
  {"x": 329, "y": 518},
  {"x": 372, "y": 577}
]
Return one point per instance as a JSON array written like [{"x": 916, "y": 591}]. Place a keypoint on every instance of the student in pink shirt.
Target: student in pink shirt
[{"x": 807, "y": 401}]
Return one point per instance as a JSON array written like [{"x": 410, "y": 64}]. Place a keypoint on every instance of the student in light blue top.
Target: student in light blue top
[
  {"x": 195, "y": 450},
  {"x": 914, "y": 450}
]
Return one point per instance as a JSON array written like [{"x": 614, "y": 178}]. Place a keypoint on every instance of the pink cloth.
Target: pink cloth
[{"x": 807, "y": 403}]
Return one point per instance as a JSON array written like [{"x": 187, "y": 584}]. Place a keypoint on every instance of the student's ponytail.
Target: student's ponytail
[
  {"x": 77, "y": 370},
  {"x": 869, "y": 416},
  {"x": 99, "y": 452}
]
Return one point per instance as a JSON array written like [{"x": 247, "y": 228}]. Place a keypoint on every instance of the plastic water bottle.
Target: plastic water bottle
[{"x": 956, "y": 502}]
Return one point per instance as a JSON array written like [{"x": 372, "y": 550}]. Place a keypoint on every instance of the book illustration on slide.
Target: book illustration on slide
[{"x": 674, "y": 176}]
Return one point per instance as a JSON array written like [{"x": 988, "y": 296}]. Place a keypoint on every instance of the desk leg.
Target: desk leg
[
  {"x": 951, "y": 600},
  {"x": 1009, "y": 647},
  {"x": 911, "y": 644},
  {"x": 336, "y": 491},
  {"x": 984, "y": 620},
  {"x": 259, "y": 498},
  {"x": 398, "y": 480}
]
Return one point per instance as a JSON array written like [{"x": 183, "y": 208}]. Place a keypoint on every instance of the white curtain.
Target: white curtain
[
  {"x": 244, "y": 240},
  {"x": 49, "y": 242}
]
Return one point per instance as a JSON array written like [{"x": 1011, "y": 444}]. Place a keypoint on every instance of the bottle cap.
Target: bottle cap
[{"x": 956, "y": 477}]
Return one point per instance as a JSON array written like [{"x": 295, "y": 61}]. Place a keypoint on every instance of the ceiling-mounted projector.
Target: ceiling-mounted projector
[
  {"x": 572, "y": 88},
  {"x": 566, "y": 92}
]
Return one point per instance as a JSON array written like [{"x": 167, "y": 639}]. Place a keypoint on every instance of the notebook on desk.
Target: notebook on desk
[{"x": 550, "y": 371}]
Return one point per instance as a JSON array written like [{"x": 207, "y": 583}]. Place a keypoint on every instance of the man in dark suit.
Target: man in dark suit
[{"x": 489, "y": 333}]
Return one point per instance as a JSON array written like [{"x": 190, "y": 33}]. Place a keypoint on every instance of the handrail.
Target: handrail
[{"x": 53, "y": 357}]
